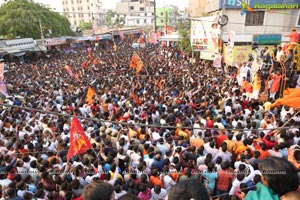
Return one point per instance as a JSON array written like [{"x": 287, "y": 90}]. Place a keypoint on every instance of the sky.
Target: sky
[{"x": 111, "y": 4}]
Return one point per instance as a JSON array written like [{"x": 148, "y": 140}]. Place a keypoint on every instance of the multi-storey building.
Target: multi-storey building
[
  {"x": 136, "y": 12},
  {"x": 248, "y": 21},
  {"x": 196, "y": 8},
  {"x": 264, "y": 19},
  {"x": 78, "y": 11},
  {"x": 166, "y": 16}
]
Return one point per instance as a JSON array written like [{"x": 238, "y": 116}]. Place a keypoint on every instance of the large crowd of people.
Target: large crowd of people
[{"x": 176, "y": 130}]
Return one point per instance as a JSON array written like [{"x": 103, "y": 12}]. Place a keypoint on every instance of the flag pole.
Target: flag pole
[{"x": 287, "y": 122}]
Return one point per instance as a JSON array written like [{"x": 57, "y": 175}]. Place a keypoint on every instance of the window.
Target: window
[
  {"x": 131, "y": 7},
  {"x": 142, "y": 8},
  {"x": 137, "y": 21},
  {"x": 145, "y": 21},
  {"x": 161, "y": 14},
  {"x": 255, "y": 18},
  {"x": 161, "y": 21}
]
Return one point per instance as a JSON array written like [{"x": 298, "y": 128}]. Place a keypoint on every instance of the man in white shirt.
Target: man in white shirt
[
  {"x": 158, "y": 193},
  {"x": 279, "y": 55}
]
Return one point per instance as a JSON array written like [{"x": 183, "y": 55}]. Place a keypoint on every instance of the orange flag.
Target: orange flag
[
  {"x": 96, "y": 62},
  {"x": 136, "y": 100},
  {"x": 79, "y": 143},
  {"x": 90, "y": 55},
  {"x": 133, "y": 62},
  {"x": 90, "y": 93},
  {"x": 68, "y": 68},
  {"x": 136, "y": 62},
  {"x": 291, "y": 99}
]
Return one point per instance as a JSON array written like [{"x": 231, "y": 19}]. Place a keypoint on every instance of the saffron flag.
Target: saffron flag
[
  {"x": 291, "y": 98},
  {"x": 96, "y": 62},
  {"x": 79, "y": 143},
  {"x": 136, "y": 62},
  {"x": 90, "y": 54},
  {"x": 90, "y": 93},
  {"x": 133, "y": 62},
  {"x": 136, "y": 100},
  {"x": 68, "y": 68}
]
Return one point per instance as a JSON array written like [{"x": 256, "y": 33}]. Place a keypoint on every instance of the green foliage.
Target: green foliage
[
  {"x": 86, "y": 26},
  {"x": 119, "y": 22},
  {"x": 20, "y": 18},
  {"x": 184, "y": 29},
  {"x": 108, "y": 18}
]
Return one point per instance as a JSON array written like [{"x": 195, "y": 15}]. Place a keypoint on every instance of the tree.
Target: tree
[
  {"x": 86, "y": 26},
  {"x": 119, "y": 21},
  {"x": 108, "y": 19},
  {"x": 184, "y": 29},
  {"x": 23, "y": 18}
]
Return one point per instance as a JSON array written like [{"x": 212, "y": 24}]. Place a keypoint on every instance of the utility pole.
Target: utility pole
[
  {"x": 222, "y": 27},
  {"x": 42, "y": 34},
  {"x": 155, "y": 16},
  {"x": 166, "y": 21}
]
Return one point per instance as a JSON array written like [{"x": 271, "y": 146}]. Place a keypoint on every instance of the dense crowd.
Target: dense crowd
[{"x": 177, "y": 130}]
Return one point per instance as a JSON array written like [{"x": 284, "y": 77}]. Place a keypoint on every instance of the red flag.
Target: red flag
[
  {"x": 79, "y": 143},
  {"x": 83, "y": 65}
]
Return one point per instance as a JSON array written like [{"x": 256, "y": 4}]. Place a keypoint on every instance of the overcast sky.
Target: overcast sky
[{"x": 111, "y": 4}]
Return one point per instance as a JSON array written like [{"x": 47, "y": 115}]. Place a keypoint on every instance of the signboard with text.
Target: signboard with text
[
  {"x": 267, "y": 39},
  {"x": 259, "y": 4}
]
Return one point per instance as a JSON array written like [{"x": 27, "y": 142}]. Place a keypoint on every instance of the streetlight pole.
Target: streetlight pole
[
  {"x": 42, "y": 34},
  {"x": 155, "y": 16}
]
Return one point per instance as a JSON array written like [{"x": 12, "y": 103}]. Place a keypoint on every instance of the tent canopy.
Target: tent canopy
[{"x": 174, "y": 37}]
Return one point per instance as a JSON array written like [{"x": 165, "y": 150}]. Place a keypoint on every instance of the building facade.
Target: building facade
[
  {"x": 196, "y": 7},
  {"x": 275, "y": 18},
  {"x": 78, "y": 11},
  {"x": 166, "y": 16},
  {"x": 136, "y": 12}
]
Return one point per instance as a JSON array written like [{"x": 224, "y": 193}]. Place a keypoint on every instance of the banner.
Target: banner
[
  {"x": 205, "y": 33},
  {"x": 230, "y": 41},
  {"x": 218, "y": 61},
  {"x": 2, "y": 71}
]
